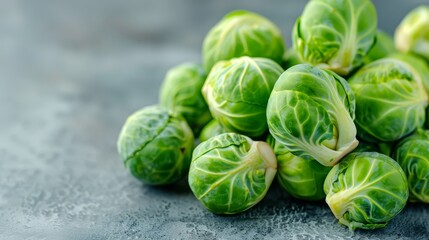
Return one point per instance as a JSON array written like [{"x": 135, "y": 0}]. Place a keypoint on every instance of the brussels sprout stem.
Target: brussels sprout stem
[
  {"x": 347, "y": 149},
  {"x": 342, "y": 63},
  {"x": 338, "y": 202},
  {"x": 267, "y": 154},
  {"x": 346, "y": 133}
]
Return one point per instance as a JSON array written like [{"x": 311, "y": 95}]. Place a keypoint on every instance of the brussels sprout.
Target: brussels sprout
[
  {"x": 230, "y": 173},
  {"x": 237, "y": 93},
  {"x": 412, "y": 34},
  {"x": 384, "y": 45},
  {"x": 301, "y": 178},
  {"x": 335, "y": 34},
  {"x": 181, "y": 91},
  {"x": 291, "y": 58},
  {"x": 156, "y": 145},
  {"x": 390, "y": 100},
  {"x": 366, "y": 190},
  {"x": 242, "y": 33},
  {"x": 213, "y": 128},
  {"x": 412, "y": 153},
  {"x": 310, "y": 112}
]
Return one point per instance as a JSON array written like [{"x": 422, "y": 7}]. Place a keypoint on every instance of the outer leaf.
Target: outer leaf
[
  {"x": 181, "y": 92},
  {"x": 242, "y": 33},
  {"x": 335, "y": 34},
  {"x": 366, "y": 190},
  {"x": 156, "y": 145},
  {"x": 311, "y": 112},
  {"x": 390, "y": 100},
  {"x": 237, "y": 93}
]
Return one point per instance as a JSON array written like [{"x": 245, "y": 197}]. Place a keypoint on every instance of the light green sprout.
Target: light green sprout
[
  {"x": 412, "y": 34},
  {"x": 237, "y": 93},
  {"x": 181, "y": 92},
  {"x": 230, "y": 173},
  {"x": 156, "y": 145},
  {"x": 242, "y": 33},
  {"x": 311, "y": 111},
  {"x": 390, "y": 99},
  {"x": 412, "y": 153},
  {"x": 366, "y": 190},
  {"x": 335, "y": 34}
]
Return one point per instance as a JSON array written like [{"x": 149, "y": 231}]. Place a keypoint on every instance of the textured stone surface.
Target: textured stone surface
[{"x": 72, "y": 71}]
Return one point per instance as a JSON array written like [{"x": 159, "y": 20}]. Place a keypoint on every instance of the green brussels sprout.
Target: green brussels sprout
[
  {"x": 237, "y": 93},
  {"x": 301, "y": 178},
  {"x": 335, "y": 34},
  {"x": 156, "y": 145},
  {"x": 412, "y": 34},
  {"x": 181, "y": 92},
  {"x": 310, "y": 112},
  {"x": 390, "y": 100},
  {"x": 366, "y": 190},
  {"x": 412, "y": 153},
  {"x": 291, "y": 58},
  {"x": 242, "y": 33},
  {"x": 230, "y": 173},
  {"x": 213, "y": 128},
  {"x": 384, "y": 45}
]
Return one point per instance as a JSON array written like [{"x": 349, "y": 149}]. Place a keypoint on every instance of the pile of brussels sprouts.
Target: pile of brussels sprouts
[{"x": 339, "y": 116}]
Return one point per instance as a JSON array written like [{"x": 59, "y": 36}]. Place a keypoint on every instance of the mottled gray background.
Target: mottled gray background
[{"x": 72, "y": 71}]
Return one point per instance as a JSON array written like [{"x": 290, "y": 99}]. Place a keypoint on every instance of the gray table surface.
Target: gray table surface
[{"x": 72, "y": 71}]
